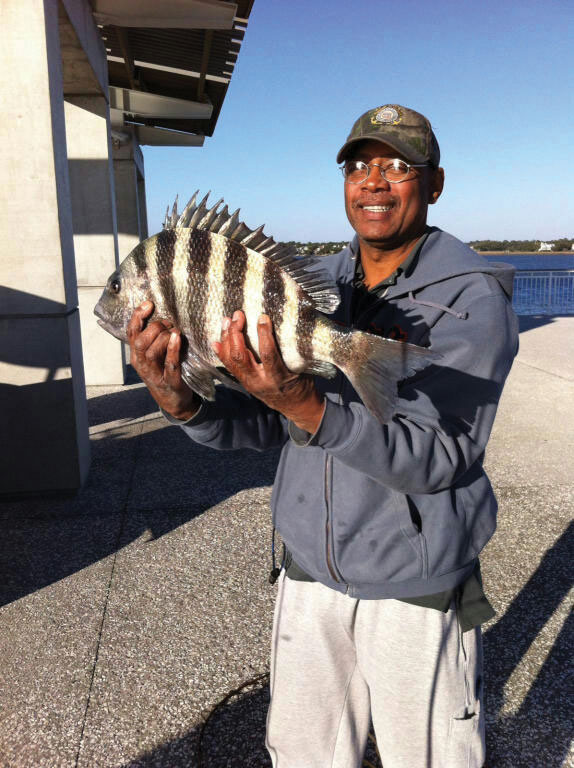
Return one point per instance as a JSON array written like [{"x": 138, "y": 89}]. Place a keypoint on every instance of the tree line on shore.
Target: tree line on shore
[
  {"x": 520, "y": 246},
  {"x": 513, "y": 246}
]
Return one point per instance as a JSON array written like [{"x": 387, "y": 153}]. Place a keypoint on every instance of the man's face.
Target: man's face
[{"x": 384, "y": 215}]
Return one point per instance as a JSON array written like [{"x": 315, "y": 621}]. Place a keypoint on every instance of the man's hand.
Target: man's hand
[
  {"x": 155, "y": 354},
  {"x": 271, "y": 381}
]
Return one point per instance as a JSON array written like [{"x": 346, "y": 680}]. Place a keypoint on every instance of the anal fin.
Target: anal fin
[
  {"x": 198, "y": 379},
  {"x": 321, "y": 368}
]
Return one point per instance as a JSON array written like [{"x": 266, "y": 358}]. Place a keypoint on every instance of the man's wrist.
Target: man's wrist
[
  {"x": 308, "y": 414},
  {"x": 186, "y": 413}
]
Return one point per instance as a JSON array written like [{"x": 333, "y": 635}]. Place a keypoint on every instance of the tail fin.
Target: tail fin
[{"x": 376, "y": 365}]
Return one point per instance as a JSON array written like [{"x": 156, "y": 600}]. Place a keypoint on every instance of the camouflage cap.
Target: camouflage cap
[{"x": 403, "y": 129}]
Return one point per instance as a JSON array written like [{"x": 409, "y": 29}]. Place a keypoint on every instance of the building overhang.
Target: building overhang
[
  {"x": 167, "y": 14},
  {"x": 170, "y": 63}
]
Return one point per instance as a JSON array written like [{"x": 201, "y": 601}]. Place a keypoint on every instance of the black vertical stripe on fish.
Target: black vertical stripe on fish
[
  {"x": 236, "y": 265},
  {"x": 139, "y": 257},
  {"x": 305, "y": 328},
  {"x": 165, "y": 256},
  {"x": 199, "y": 255},
  {"x": 273, "y": 293}
]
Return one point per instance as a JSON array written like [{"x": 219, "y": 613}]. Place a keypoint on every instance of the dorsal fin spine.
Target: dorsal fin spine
[{"x": 319, "y": 288}]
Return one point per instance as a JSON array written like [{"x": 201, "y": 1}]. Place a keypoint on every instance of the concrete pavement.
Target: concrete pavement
[{"x": 138, "y": 611}]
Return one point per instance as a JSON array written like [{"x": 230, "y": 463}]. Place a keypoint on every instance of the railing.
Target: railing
[{"x": 544, "y": 292}]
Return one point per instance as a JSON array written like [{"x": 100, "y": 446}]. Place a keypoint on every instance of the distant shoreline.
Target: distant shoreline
[{"x": 524, "y": 253}]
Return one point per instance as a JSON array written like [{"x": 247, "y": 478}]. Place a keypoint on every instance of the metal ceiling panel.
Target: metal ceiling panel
[
  {"x": 149, "y": 62},
  {"x": 182, "y": 14}
]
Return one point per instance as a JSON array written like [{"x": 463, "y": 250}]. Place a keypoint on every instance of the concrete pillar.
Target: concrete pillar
[
  {"x": 129, "y": 180},
  {"x": 130, "y": 193},
  {"x": 94, "y": 224},
  {"x": 142, "y": 205},
  {"x": 44, "y": 444}
]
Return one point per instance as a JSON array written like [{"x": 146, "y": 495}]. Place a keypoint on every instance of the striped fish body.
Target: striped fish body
[{"x": 196, "y": 276}]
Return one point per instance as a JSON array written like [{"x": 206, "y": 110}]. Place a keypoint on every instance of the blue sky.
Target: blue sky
[{"x": 494, "y": 78}]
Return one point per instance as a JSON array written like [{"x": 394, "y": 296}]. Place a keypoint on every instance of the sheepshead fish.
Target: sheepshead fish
[{"x": 206, "y": 263}]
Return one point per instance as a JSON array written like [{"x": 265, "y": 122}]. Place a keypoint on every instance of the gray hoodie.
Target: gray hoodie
[{"x": 401, "y": 509}]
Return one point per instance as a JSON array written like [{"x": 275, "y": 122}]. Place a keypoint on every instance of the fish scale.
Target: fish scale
[{"x": 207, "y": 263}]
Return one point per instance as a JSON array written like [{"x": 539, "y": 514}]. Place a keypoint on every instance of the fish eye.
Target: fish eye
[{"x": 115, "y": 286}]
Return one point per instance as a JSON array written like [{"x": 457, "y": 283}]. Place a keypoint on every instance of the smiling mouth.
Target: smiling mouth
[{"x": 377, "y": 208}]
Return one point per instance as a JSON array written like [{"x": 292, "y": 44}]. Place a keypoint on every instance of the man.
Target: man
[{"x": 380, "y": 599}]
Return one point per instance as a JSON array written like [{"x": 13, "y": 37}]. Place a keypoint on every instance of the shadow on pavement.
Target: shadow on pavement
[
  {"x": 548, "y": 707},
  {"x": 231, "y": 736},
  {"x": 529, "y": 322},
  {"x": 148, "y": 479},
  {"x": 233, "y": 733}
]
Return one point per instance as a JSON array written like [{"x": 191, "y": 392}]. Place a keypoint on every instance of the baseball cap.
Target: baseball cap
[{"x": 403, "y": 129}]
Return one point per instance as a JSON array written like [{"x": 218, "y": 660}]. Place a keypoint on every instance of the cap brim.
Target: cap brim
[{"x": 404, "y": 149}]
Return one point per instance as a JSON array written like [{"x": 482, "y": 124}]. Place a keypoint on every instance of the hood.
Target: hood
[{"x": 444, "y": 256}]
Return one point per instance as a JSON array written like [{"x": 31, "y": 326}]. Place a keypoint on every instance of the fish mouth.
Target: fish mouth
[{"x": 105, "y": 324}]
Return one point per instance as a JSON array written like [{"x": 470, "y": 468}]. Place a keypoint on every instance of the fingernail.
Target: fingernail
[
  {"x": 145, "y": 305},
  {"x": 262, "y": 320},
  {"x": 225, "y": 324},
  {"x": 236, "y": 316},
  {"x": 172, "y": 339}
]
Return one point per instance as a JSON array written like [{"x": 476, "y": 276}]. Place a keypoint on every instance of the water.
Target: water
[
  {"x": 543, "y": 284},
  {"x": 535, "y": 261}
]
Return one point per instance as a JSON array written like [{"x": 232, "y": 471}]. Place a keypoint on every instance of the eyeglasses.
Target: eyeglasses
[{"x": 394, "y": 171}]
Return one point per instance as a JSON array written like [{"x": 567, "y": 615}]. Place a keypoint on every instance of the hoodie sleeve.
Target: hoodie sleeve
[
  {"x": 444, "y": 414},
  {"x": 235, "y": 420}
]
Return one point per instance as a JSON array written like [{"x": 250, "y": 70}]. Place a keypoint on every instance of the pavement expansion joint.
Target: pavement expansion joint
[
  {"x": 106, "y": 603},
  {"x": 543, "y": 370}
]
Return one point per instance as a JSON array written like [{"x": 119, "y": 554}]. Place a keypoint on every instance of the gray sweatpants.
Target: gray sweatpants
[{"x": 337, "y": 661}]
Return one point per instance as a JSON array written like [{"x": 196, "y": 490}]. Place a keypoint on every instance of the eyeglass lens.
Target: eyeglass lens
[{"x": 393, "y": 170}]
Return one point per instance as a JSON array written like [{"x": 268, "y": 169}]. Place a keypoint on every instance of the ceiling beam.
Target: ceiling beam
[
  {"x": 162, "y": 137},
  {"x": 152, "y": 105},
  {"x": 207, "y": 40},
  {"x": 123, "y": 41}
]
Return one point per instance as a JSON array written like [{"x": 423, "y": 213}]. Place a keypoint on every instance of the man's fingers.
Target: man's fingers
[
  {"x": 137, "y": 320},
  {"x": 172, "y": 365},
  {"x": 146, "y": 338},
  {"x": 232, "y": 349},
  {"x": 156, "y": 351},
  {"x": 238, "y": 321},
  {"x": 268, "y": 352}
]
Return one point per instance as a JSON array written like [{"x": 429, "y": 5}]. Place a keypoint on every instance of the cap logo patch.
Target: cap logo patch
[{"x": 387, "y": 115}]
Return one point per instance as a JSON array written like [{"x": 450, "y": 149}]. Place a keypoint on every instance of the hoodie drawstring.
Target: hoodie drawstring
[{"x": 458, "y": 315}]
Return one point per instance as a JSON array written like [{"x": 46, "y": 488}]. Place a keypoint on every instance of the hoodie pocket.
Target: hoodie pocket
[
  {"x": 411, "y": 526},
  {"x": 374, "y": 537}
]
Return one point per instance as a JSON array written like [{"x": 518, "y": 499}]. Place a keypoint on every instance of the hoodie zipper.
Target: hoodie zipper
[
  {"x": 333, "y": 570},
  {"x": 328, "y": 523}
]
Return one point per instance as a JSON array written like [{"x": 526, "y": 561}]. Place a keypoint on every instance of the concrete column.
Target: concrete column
[
  {"x": 130, "y": 194},
  {"x": 44, "y": 444},
  {"x": 95, "y": 229},
  {"x": 142, "y": 205}
]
